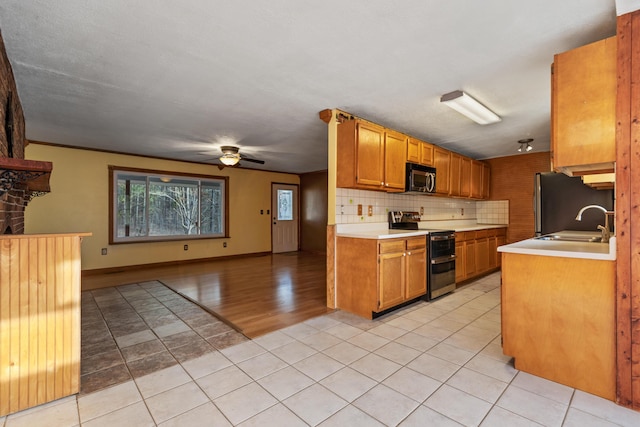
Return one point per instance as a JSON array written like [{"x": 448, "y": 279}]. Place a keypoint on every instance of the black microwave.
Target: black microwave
[{"x": 420, "y": 179}]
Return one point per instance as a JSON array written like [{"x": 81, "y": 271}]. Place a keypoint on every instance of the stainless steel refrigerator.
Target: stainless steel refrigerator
[{"x": 558, "y": 198}]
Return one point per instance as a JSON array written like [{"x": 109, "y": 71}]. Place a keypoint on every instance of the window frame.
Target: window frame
[{"x": 113, "y": 174}]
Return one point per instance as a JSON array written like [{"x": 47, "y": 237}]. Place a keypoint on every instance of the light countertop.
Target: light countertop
[
  {"x": 381, "y": 230},
  {"x": 566, "y": 249}
]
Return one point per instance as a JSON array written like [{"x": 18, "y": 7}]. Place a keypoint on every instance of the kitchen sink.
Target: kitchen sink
[{"x": 570, "y": 238}]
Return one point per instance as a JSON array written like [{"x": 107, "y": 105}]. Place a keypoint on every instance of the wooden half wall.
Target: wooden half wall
[{"x": 39, "y": 319}]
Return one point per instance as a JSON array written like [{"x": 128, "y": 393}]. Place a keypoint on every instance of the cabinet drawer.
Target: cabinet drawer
[
  {"x": 469, "y": 235},
  {"x": 392, "y": 246},
  {"x": 417, "y": 243},
  {"x": 481, "y": 234},
  {"x": 501, "y": 232}
]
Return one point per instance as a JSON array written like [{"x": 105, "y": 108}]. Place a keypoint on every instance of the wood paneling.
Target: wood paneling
[
  {"x": 628, "y": 211},
  {"x": 512, "y": 179},
  {"x": 39, "y": 319}
]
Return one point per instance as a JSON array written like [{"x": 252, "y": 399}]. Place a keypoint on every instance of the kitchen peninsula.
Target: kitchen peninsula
[{"x": 558, "y": 310}]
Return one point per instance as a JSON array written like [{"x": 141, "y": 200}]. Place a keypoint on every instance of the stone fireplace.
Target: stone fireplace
[{"x": 20, "y": 179}]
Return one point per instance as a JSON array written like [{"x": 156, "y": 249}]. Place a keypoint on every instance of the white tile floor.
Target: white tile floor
[{"x": 436, "y": 364}]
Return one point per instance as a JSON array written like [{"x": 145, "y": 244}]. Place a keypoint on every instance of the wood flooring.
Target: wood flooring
[{"x": 254, "y": 294}]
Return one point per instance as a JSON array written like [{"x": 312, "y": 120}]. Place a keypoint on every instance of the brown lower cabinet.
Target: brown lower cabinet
[
  {"x": 476, "y": 252},
  {"x": 375, "y": 275}
]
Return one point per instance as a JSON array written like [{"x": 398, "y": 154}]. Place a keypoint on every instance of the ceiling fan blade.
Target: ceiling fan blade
[{"x": 248, "y": 159}]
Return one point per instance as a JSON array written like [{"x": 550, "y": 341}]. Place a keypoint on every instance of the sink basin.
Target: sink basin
[{"x": 570, "y": 238}]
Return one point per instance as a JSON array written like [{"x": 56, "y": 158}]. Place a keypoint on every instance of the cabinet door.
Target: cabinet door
[
  {"x": 469, "y": 258},
  {"x": 493, "y": 251},
  {"x": 394, "y": 161},
  {"x": 486, "y": 181},
  {"x": 441, "y": 160},
  {"x": 460, "y": 261},
  {"x": 391, "y": 271},
  {"x": 413, "y": 150},
  {"x": 416, "y": 274},
  {"x": 476, "y": 179},
  {"x": 465, "y": 177},
  {"x": 454, "y": 174},
  {"x": 482, "y": 255},
  {"x": 370, "y": 155},
  {"x": 426, "y": 154},
  {"x": 583, "y": 100}
]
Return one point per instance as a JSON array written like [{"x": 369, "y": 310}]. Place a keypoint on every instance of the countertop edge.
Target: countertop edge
[
  {"x": 397, "y": 234},
  {"x": 520, "y": 248}
]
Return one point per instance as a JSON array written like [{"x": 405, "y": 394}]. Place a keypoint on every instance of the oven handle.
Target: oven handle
[
  {"x": 447, "y": 237},
  {"x": 442, "y": 260}
]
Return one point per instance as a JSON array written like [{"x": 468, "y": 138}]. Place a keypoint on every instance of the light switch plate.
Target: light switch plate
[{"x": 359, "y": 210}]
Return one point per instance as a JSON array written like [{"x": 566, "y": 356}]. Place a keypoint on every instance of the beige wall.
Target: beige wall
[{"x": 79, "y": 202}]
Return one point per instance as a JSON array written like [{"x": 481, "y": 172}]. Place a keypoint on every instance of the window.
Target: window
[
  {"x": 153, "y": 206},
  {"x": 285, "y": 205}
]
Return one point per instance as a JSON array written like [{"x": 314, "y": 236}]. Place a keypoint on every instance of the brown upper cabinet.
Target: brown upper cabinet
[
  {"x": 486, "y": 181},
  {"x": 370, "y": 157},
  {"x": 583, "y": 109},
  {"x": 419, "y": 152},
  {"x": 455, "y": 178},
  {"x": 442, "y": 162},
  {"x": 476, "y": 179},
  {"x": 465, "y": 177},
  {"x": 395, "y": 145}
]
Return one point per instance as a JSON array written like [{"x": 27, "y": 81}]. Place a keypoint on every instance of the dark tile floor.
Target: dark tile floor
[{"x": 133, "y": 330}]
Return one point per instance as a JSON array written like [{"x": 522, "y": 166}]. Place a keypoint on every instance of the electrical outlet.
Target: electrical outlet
[
  {"x": 224, "y": 244},
  {"x": 461, "y": 211},
  {"x": 359, "y": 210},
  {"x": 421, "y": 210},
  {"x": 370, "y": 210},
  {"x": 261, "y": 211},
  {"x": 103, "y": 251},
  {"x": 186, "y": 247}
]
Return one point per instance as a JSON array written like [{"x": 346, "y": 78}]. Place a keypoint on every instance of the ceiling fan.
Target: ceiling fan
[{"x": 231, "y": 157}]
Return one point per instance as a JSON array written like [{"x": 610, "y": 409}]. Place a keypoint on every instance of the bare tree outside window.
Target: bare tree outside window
[{"x": 153, "y": 207}]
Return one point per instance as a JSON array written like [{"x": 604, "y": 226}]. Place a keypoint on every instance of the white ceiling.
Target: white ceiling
[{"x": 178, "y": 79}]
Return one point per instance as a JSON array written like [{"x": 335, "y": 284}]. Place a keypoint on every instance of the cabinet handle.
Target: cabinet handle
[
  {"x": 408, "y": 253},
  {"x": 404, "y": 254},
  {"x": 382, "y": 183}
]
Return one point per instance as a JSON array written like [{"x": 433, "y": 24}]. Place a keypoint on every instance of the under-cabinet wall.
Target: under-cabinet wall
[{"x": 434, "y": 208}]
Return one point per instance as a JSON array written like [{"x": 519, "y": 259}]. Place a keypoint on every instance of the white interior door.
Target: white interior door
[{"x": 285, "y": 223}]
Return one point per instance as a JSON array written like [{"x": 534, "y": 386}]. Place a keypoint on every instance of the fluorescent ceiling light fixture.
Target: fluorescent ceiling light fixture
[{"x": 466, "y": 105}]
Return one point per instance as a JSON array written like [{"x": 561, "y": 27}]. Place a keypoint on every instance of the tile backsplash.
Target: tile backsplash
[{"x": 434, "y": 208}]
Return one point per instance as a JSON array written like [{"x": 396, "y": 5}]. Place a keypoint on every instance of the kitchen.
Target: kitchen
[
  {"x": 366, "y": 203},
  {"x": 577, "y": 158}
]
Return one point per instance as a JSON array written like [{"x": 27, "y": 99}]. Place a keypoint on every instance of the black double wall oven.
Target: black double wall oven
[{"x": 442, "y": 263}]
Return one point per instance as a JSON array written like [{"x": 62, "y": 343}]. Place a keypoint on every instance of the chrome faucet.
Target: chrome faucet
[{"x": 606, "y": 232}]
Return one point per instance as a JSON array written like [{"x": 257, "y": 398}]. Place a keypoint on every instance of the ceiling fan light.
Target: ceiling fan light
[
  {"x": 230, "y": 159},
  {"x": 529, "y": 147},
  {"x": 468, "y": 106}
]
